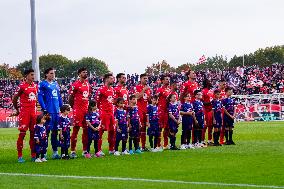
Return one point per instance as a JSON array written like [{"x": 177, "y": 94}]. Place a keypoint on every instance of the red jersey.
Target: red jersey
[
  {"x": 189, "y": 88},
  {"x": 208, "y": 95},
  {"x": 105, "y": 99},
  {"x": 163, "y": 93},
  {"x": 121, "y": 91},
  {"x": 27, "y": 93},
  {"x": 143, "y": 101},
  {"x": 81, "y": 92}
]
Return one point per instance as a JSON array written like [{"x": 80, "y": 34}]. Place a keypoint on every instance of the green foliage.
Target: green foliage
[
  {"x": 216, "y": 62},
  {"x": 7, "y": 72},
  {"x": 58, "y": 62},
  {"x": 65, "y": 67},
  {"x": 261, "y": 57},
  {"x": 4, "y": 71},
  {"x": 163, "y": 66},
  {"x": 184, "y": 67},
  {"x": 93, "y": 65}
]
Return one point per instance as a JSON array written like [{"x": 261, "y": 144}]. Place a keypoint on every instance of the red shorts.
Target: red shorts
[
  {"x": 27, "y": 119},
  {"x": 163, "y": 120},
  {"x": 143, "y": 118},
  {"x": 79, "y": 118},
  {"x": 208, "y": 118},
  {"x": 108, "y": 121}
]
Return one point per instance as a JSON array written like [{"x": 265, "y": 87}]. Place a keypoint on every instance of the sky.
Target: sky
[{"x": 129, "y": 35}]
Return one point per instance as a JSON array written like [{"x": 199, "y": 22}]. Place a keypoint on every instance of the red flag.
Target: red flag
[{"x": 202, "y": 59}]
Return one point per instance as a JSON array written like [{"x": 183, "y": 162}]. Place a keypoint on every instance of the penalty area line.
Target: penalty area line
[{"x": 142, "y": 180}]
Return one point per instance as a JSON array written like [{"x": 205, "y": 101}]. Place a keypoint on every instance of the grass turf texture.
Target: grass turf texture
[{"x": 258, "y": 158}]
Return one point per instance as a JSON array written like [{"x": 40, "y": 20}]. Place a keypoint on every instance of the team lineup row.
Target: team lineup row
[{"x": 126, "y": 117}]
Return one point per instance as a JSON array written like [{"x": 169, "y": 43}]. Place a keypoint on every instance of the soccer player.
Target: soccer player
[
  {"x": 217, "y": 116},
  {"x": 143, "y": 94},
  {"x": 187, "y": 114},
  {"x": 105, "y": 100},
  {"x": 207, "y": 99},
  {"x": 64, "y": 128},
  {"x": 229, "y": 115},
  {"x": 174, "y": 89},
  {"x": 189, "y": 86},
  {"x": 134, "y": 125},
  {"x": 79, "y": 101},
  {"x": 198, "y": 109},
  {"x": 49, "y": 98},
  {"x": 174, "y": 120},
  {"x": 27, "y": 93},
  {"x": 163, "y": 92},
  {"x": 120, "y": 90},
  {"x": 153, "y": 130},
  {"x": 222, "y": 86},
  {"x": 40, "y": 138},
  {"x": 122, "y": 127},
  {"x": 94, "y": 127}
]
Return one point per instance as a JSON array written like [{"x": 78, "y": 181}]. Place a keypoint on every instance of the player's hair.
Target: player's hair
[
  {"x": 206, "y": 83},
  {"x": 188, "y": 72},
  {"x": 186, "y": 95},
  {"x": 81, "y": 70},
  {"x": 143, "y": 75},
  {"x": 39, "y": 118},
  {"x": 107, "y": 76},
  {"x": 131, "y": 97},
  {"x": 119, "y": 100},
  {"x": 228, "y": 89},
  {"x": 169, "y": 99},
  {"x": 196, "y": 91},
  {"x": 91, "y": 105},
  {"x": 119, "y": 75},
  {"x": 163, "y": 76},
  {"x": 28, "y": 71},
  {"x": 64, "y": 107},
  {"x": 47, "y": 71},
  {"x": 216, "y": 91},
  {"x": 154, "y": 97}
]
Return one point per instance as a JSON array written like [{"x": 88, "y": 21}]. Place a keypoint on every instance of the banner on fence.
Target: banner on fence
[{"x": 260, "y": 107}]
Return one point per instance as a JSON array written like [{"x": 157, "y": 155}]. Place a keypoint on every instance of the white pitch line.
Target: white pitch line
[{"x": 144, "y": 180}]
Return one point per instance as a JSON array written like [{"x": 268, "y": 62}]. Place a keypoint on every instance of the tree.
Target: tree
[
  {"x": 4, "y": 71},
  {"x": 93, "y": 65},
  {"x": 184, "y": 67},
  {"x": 163, "y": 66},
  {"x": 265, "y": 57},
  {"x": 66, "y": 68},
  {"x": 216, "y": 62},
  {"x": 10, "y": 73},
  {"x": 236, "y": 61},
  {"x": 58, "y": 62}
]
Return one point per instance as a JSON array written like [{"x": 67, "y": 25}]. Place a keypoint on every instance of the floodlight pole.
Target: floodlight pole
[{"x": 35, "y": 59}]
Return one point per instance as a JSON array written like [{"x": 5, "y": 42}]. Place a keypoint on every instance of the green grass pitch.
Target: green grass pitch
[{"x": 257, "y": 161}]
